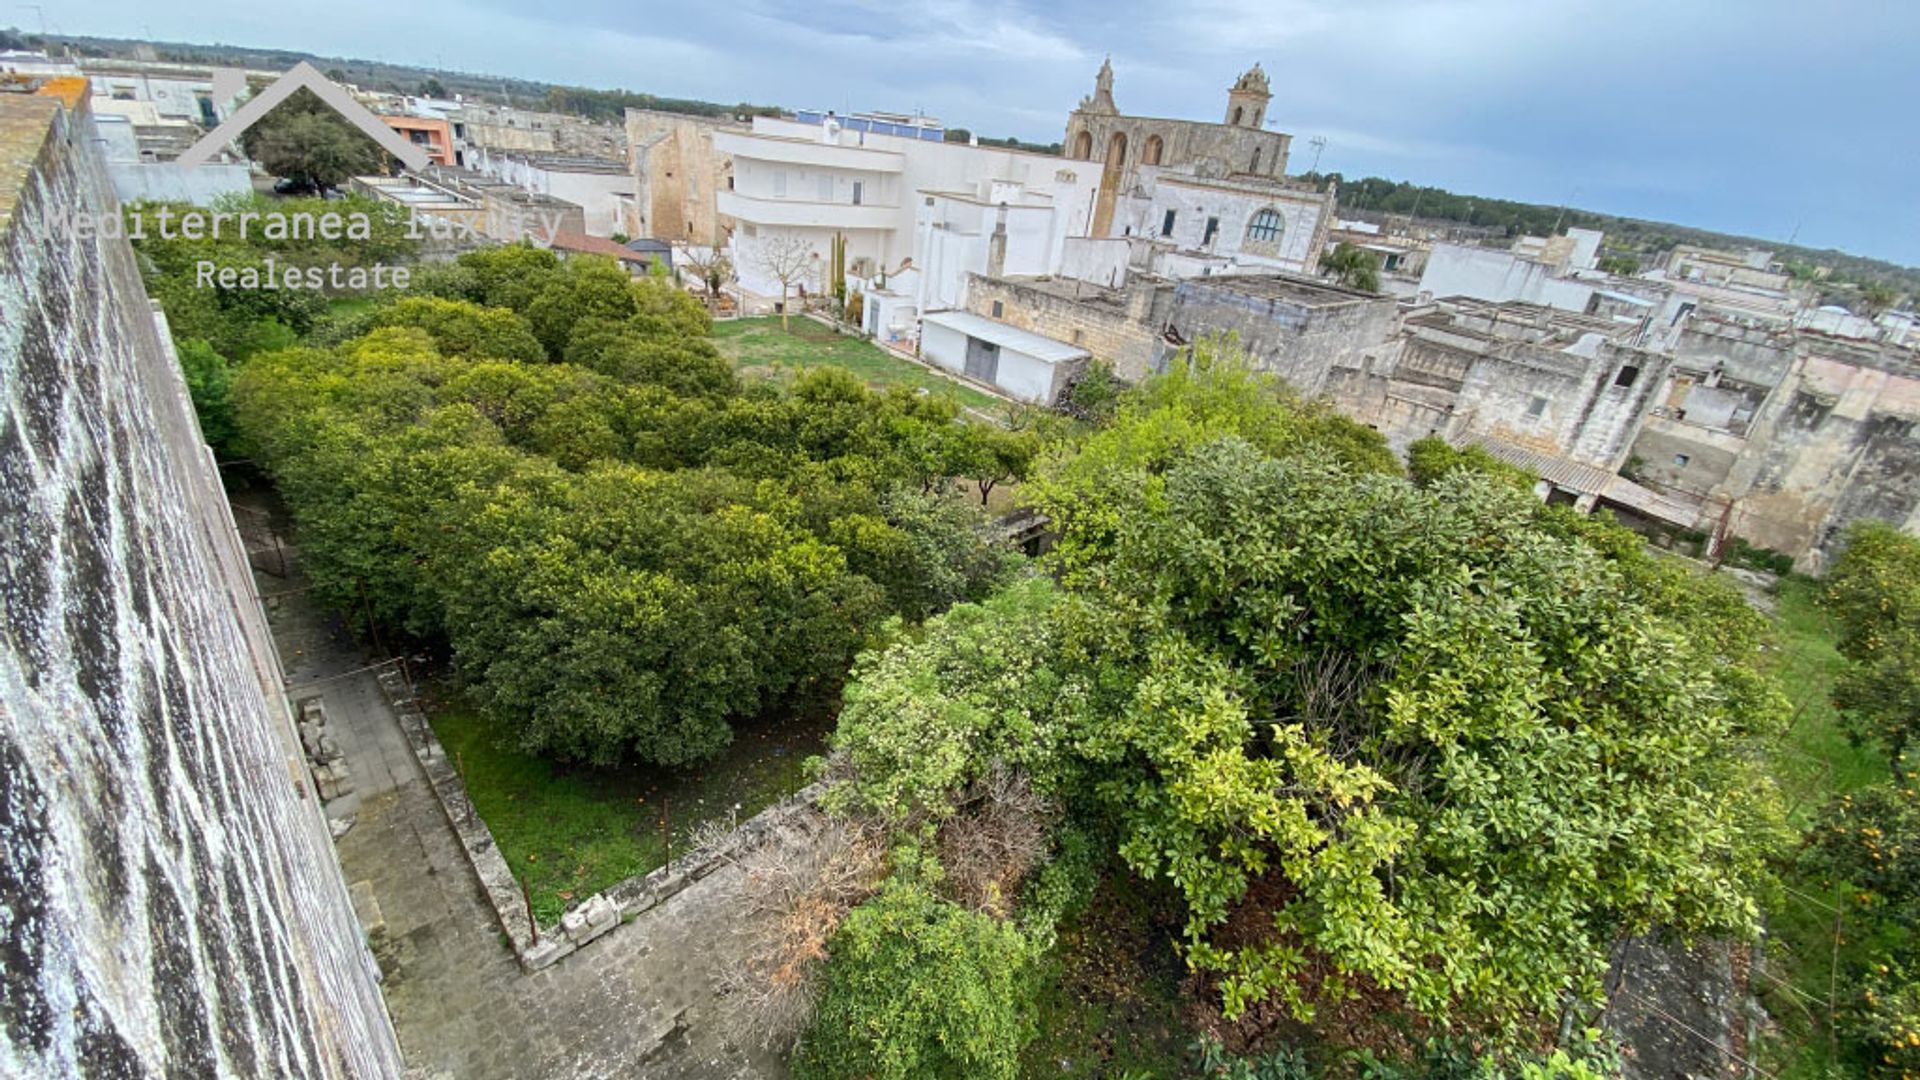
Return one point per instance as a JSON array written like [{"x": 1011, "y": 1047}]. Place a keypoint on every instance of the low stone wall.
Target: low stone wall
[{"x": 594, "y": 916}]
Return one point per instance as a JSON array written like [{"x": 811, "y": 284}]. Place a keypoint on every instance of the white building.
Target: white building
[
  {"x": 800, "y": 184},
  {"x": 1021, "y": 364},
  {"x": 1195, "y": 225},
  {"x": 601, "y": 187}
]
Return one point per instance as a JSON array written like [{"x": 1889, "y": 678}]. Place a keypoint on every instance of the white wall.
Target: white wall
[
  {"x": 1049, "y": 200},
  {"x": 1028, "y": 378},
  {"x": 1486, "y": 274},
  {"x": 1193, "y": 204},
  {"x": 1100, "y": 260}
]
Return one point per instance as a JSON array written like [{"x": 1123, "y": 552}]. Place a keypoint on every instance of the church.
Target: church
[{"x": 1206, "y": 196}]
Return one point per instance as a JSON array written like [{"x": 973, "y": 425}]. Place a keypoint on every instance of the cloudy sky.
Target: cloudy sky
[{"x": 1762, "y": 117}]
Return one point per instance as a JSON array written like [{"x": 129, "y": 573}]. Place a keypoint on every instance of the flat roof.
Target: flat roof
[
  {"x": 1007, "y": 337},
  {"x": 1297, "y": 290}
]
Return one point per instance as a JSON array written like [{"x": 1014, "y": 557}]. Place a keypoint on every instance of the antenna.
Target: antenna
[{"x": 1319, "y": 143}]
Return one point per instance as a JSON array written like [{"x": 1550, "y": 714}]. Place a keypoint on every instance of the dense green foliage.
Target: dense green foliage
[
  {"x": 921, "y": 989},
  {"x": 1439, "y": 743},
  {"x": 308, "y": 144},
  {"x": 1866, "y": 845},
  {"x": 625, "y": 549},
  {"x": 1350, "y": 265},
  {"x": 214, "y": 328},
  {"x": 1874, "y": 594}
]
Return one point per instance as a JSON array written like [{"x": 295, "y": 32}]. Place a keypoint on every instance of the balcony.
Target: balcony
[
  {"x": 801, "y": 213},
  {"x": 807, "y": 152}
]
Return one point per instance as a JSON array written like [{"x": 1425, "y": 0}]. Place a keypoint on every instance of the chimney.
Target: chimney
[{"x": 997, "y": 244}]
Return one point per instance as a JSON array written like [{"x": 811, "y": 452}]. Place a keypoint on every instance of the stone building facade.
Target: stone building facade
[
  {"x": 678, "y": 175},
  {"x": 1097, "y": 131},
  {"x": 172, "y": 902},
  {"x": 1124, "y": 327},
  {"x": 1785, "y": 437}
]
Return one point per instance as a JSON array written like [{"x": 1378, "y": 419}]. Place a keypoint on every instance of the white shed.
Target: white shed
[{"x": 1023, "y": 364}]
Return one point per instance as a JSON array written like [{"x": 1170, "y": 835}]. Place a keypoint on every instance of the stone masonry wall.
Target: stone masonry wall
[
  {"x": 172, "y": 902},
  {"x": 1110, "y": 331}
]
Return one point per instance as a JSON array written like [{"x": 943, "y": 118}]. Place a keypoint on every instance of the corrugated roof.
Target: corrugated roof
[
  {"x": 1590, "y": 480},
  {"x": 1007, "y": 337}
]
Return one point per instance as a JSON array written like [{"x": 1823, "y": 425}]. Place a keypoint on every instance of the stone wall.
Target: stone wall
[
  {"x": 1299, "y": 331},
  {"x": 173, "y": 906},
  {"x": 677, "y": 175},
  {"x": 1117, "y": 326}
]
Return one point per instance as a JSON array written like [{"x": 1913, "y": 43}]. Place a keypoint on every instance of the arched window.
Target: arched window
[
  {"x": 1256, "y": 160},
  {"x": 1154, "y": 149},
  {"x": 1264, "y": 231},
  {"x": 1083, "y": 146},
  {"x": 1236, "y": 114},
  {"x": 1117, "y": 150}
]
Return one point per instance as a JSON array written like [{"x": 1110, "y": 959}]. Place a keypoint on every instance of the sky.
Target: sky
[{"x": 1770, "y": 118}]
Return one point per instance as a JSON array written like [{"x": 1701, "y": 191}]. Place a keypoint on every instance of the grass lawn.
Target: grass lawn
[
  {"x": 570, "y": 831},
  {"x": 1816, "y": 763},
  {"x": 760, "y": 343}
]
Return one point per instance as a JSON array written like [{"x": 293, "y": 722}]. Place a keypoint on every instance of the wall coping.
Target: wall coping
[{"x": 535, "y": 947}]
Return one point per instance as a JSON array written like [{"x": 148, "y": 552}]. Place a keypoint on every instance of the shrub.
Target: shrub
[{"x": 921, "y": 989}]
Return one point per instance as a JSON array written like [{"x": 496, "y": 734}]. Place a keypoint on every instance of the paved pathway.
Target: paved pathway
[{"x": 637, "y": 1002}]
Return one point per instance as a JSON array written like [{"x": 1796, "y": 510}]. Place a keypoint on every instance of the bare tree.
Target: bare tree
[
  {"x": 711, "y": 266},
  {"x": 792, "y": 894},
  {"x": 786, "y": 257},
  {"x": 999, "y": 836}
]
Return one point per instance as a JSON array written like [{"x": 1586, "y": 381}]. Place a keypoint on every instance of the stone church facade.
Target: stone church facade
[{"x": 1238, "y": 146}]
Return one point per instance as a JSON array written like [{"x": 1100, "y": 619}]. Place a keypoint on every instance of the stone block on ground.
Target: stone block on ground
[{"x": 367, "y": 907}]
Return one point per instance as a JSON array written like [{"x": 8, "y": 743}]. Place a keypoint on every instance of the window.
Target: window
[
  {"x": 1213, "y": 227},
  {"x": 1265, "y": 228},
  {"x": 1155, "y": 148},
  {"x": 825, "y": 185},
  {"x": 1680, "y": 461},
  {"x": 1166, "y": 224},
  {"x": 1255, "y": 167},
  {"x": 780, "y": 183},
  {"x": 999, "y": 309},
  {"x": 1537, "y": 408},
  {"x": 1628, "y": 373},
  {"x": 858, "y": 190},
  {"x": 1236, "y": 114}
]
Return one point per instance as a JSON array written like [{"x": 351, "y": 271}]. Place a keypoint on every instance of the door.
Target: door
[{"x": 983, "y": 360}]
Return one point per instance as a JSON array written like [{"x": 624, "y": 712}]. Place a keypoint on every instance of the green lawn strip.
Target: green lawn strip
[
  {"x": 1816, "y": 763},
  {"x": 569, "y": 831},
  {"x": 761, "y": 343}
]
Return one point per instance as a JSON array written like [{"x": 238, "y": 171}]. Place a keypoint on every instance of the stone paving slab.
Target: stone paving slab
[{"x": 636, "y": 1002}]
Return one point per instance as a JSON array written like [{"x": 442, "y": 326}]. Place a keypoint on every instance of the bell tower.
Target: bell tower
[{"x": 1247, "y": 100}]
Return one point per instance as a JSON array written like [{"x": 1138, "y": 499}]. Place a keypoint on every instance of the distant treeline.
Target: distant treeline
[
  {"x": 611, "y": 105},
  {"x": 604, "y": 105},
  {"x": 1647, "y": 239},
  {"x": 960, "y": 135}
]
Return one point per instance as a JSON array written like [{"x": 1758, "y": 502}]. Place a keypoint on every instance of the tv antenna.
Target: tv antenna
[{"x": 1319, "y": 143}]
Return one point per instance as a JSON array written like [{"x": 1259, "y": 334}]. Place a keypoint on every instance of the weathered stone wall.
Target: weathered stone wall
[
  {"x": 1300, "y": 340},
  {"x": 172, "y": 903},
  {"x": 1118, "y": 326},
  {"x": 1835, "y": 442},
  {"x": 677, "y": 175}
]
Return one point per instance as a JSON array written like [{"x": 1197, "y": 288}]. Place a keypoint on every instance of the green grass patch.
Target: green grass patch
[
  {"x": 569, "y": 831},
  {"x": 760, "y": 343},
  {"x": 1816, "y": 763},
  {"x": 1819, "y": 761}
]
